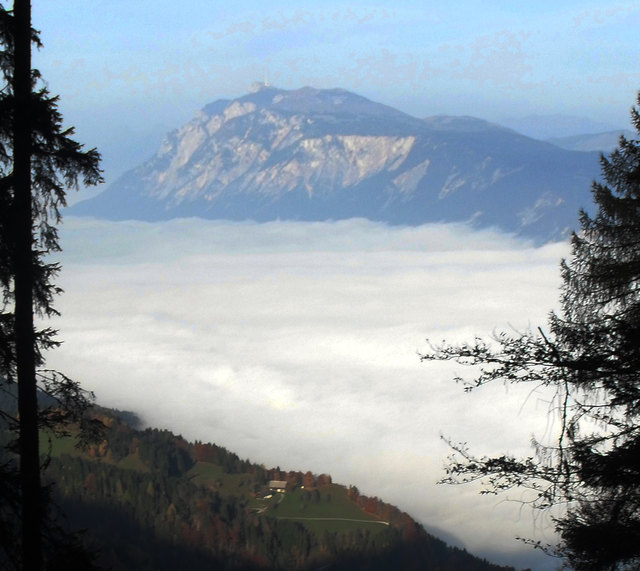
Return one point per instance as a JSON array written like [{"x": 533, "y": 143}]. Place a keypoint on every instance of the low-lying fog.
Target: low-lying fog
[{"x": 296, "y": 344}]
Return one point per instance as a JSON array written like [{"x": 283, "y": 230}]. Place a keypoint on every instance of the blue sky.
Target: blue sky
[
  {"x": 137, "y": 69},
  {"x": 456, "y": 57}
]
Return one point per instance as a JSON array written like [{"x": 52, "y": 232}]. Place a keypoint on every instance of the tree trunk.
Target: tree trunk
[{"x": 24, "y": 282}]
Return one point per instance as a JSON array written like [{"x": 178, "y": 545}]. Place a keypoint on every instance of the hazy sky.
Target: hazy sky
[
  {"x": 295, "y": 344},
  {"x": 130, "y": 71}
]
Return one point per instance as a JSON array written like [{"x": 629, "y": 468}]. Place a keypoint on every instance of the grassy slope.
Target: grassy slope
[
  {"x": 329, "y": 504},
  {"x": 332, "y": 508}
]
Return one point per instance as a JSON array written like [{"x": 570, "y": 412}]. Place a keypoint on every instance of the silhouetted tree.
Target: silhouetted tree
[
  {"x": 591, "y": 358},
  {"x": 324, "y": 480},
  {"x": 38, "y": 159},
  {"x": 308, "y": 480}
]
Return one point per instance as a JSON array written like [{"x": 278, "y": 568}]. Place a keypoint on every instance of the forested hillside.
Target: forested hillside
[{"x": 151, "y": 500}]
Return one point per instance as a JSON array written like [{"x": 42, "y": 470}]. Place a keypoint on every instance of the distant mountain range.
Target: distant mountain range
[
  {"x": 312, "y": 154},
  {"x": 603, "y": 142},
  {"x": 544, "y": 127}
]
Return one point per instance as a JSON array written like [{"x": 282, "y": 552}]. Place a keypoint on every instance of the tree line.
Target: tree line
[{"x": 38, "y": 161}]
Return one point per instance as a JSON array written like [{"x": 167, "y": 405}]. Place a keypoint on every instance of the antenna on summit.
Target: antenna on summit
[{"x": 259, "y": 85}]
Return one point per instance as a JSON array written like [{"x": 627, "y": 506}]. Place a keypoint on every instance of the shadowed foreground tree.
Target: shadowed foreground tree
[
  {"x": 590, "y": 356},
  {"x": 38, "y": 159}
]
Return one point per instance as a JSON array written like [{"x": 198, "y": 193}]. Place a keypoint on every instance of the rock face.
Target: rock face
[{"x": 314, "y": 154}]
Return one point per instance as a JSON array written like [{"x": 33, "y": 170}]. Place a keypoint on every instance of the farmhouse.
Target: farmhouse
[{"x": 277, "y": 485}]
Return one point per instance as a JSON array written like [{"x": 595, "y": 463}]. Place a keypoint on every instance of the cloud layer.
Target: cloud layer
[{"x": 295, "y": 344}]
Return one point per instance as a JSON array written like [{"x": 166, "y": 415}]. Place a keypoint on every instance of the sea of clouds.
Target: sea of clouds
[{"x": 296, "y": 344}]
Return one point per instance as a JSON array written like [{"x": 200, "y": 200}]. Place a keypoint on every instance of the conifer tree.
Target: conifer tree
[
  {"x": 590, "y": 356},
  {"x": 38, "y": 160}
]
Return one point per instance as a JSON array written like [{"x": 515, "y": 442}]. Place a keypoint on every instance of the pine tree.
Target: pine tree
[
  {"x": 38, "y": 160},
  {"x": 591, "y": 357}
]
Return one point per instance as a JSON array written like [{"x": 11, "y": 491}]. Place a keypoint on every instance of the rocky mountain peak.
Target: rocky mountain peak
[
  {"x": 309, "y": 101},
  {"x": 317, "y": 154}
]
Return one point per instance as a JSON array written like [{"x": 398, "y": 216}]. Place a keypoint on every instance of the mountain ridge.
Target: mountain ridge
[
  {"x": 604, "y": 142},
  {"x": 313, "y": 154}
]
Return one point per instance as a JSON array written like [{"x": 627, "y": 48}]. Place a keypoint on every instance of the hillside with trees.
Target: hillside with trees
[{"x": 151, "y": 500}]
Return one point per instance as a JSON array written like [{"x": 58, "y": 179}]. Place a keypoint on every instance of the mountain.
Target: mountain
[
  {"x": 151, "y": 500},
  {"x": 602, "y": 142},
  {"x": 311, "y": 154},
  {"x": 545, "y": 127}
]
